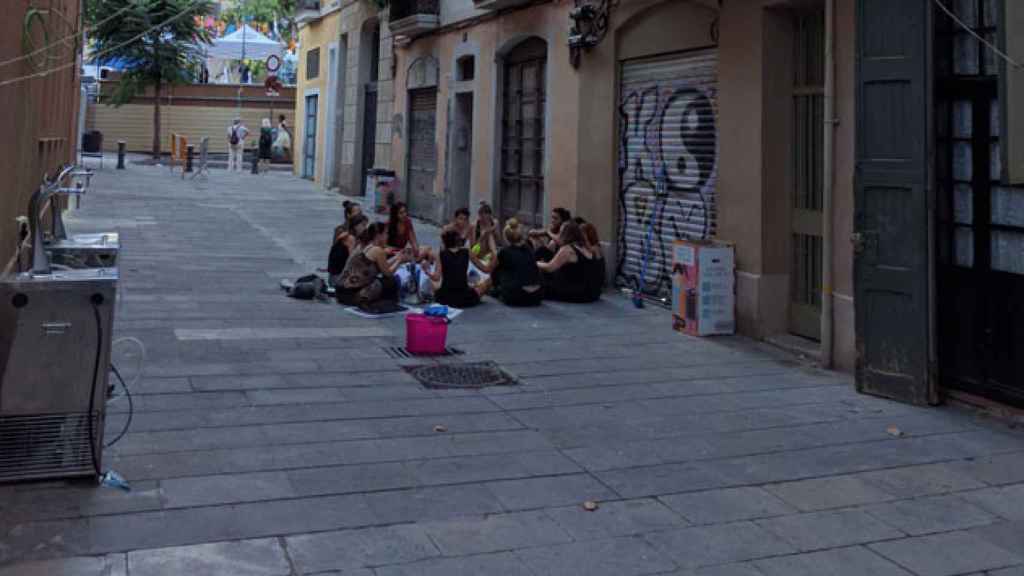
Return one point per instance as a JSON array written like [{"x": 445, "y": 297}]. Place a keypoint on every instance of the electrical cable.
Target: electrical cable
[
  {"x": 105, "y": 51},
  {"x": 96, "y": 300},
  {"x": 65, "y": 39},
  {"x": 127, "y": 391},
  {"x": 142, "y": 356},
  {"x": 131, "y": 408},
  {"x": 977, "y": 36}
]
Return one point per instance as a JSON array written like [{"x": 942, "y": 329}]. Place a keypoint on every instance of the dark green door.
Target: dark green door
[{"x": 892, "y": 248}]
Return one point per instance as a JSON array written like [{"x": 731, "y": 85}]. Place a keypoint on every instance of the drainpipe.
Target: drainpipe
[{"x": 826, "y": 194}]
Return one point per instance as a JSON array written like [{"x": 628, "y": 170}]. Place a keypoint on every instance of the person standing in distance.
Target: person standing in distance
[{"x": 237, "y": 133}]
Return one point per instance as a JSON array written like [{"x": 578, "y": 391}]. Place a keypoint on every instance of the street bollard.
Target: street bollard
[
  {"x": 188, "y": 157},
  {"x": 255, "y": 162},
  {"x": 120, "y": 154}
]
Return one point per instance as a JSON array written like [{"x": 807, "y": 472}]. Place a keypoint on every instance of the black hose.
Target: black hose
[
  {"x": 96, "y": 300},
  {"x": 131, "y": 407}
]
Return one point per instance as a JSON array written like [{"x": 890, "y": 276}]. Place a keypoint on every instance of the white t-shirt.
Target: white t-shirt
[{"x": 240, "y": 130}]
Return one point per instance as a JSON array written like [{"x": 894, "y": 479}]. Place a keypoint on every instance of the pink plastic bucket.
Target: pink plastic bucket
[{"x": 425, "y": 335}]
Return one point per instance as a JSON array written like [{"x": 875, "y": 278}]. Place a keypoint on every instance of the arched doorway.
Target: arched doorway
[{"x": 523, "y": 129}]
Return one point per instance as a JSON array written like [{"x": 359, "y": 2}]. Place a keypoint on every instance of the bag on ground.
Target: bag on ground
[{"x": 308, "y": 287}]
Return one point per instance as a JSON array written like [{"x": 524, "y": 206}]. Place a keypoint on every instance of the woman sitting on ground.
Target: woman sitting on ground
[
  {"x": 570, "y": 276},
  {"x": 346, "y": 238},
  {"x": 401, "y": 233},
  {"x": 483, "y": 236},
  {"x": 459, "y": 224},
  {"x": 402, "y": 237},
  {"x": 545, "y": 242},
  {"x": 517, "y": 280},
  {"x": 451, "y": 275},
  {"x": 351, "y": 210},
  {"x": 368, "y": 280}
]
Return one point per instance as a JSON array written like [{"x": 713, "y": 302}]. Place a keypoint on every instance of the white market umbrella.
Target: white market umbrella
[{"x": 256, "y": 46}]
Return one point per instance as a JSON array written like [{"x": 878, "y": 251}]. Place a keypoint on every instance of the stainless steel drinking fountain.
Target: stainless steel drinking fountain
[{"x": 55, "y": 334}]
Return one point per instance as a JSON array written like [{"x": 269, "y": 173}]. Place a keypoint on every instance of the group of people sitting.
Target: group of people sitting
[{"x": 373, "y": 265}]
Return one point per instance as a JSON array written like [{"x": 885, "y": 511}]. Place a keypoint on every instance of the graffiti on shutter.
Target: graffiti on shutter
[{"x": 668, "y": 151}]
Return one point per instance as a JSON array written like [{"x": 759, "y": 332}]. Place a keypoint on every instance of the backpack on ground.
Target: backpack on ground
[{"x": 308, "y": 287}]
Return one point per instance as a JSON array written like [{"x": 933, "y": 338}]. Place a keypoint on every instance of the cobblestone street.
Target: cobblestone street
[{"x": 277, "y": 437}]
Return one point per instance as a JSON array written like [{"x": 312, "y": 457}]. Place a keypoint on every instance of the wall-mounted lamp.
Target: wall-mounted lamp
[{"x": 589, "y": 26}]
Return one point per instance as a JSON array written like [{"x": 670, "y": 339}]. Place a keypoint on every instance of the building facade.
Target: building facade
[
  {"x": 862, "y": 157},
  {"x": 691, "y": 119},
  {"x": 39, "y": 113},
  {"x": 344, "y": 92}
]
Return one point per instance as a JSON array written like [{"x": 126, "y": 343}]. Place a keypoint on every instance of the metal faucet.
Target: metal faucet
[{"x": 51, "y": 188}]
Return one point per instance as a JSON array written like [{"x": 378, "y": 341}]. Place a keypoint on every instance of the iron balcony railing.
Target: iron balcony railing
[{"x": 401, "y": 9}]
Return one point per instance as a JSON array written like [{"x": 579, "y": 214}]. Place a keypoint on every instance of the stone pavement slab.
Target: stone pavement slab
[
  {"x": 727, "y": 505},
  {"x": 109, "y": 565},
  {"x": 360, "y": 548},
  {"x": 273, "y": 436},
  {"x": 239, "y": 558},
  {"x": 853, "y": 561},
  {"x": 496, "y": 533},
  {"x": 947, "y": 554},
  {"x": 505, "y": 563},
  {"x": 616, "y": 557},
  {"x": 1006, "y": 502},
  {"x": 721, "y": 544},
  {"x": 832, "y": 529},
  {"x": 614, "y": 519},
  {"x": 825, "y": 493},
  {"x": 931, "y": 514}
]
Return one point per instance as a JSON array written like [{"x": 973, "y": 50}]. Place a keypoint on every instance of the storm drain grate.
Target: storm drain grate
[
  {"x": 401, "y": 352},
  {"x": 472, "y": 375}
]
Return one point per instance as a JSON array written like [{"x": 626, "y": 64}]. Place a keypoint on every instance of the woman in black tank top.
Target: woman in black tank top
[
  {"x": 517, "y": 280},
  {"x": 569, "y": 276},
  {"x": 452, "y": 272}
]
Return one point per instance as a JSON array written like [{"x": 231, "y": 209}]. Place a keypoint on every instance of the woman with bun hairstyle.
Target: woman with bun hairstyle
[
  {"x": 517, "y": 280},
  {"x": 346, "y": 239}
]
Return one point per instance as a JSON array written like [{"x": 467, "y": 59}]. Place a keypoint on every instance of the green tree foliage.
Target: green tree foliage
[
  {"x": 168, "y": 46},
  {"x": 264, "y": 12}
]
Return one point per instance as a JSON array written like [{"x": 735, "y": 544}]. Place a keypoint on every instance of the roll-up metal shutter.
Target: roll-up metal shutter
[
  {"x": 422, "y": 152},
  {"x": 668, "y": 151}
]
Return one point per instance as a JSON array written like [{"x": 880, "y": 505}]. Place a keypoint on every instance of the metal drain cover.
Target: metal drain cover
[{"x": 471, "y": 375}]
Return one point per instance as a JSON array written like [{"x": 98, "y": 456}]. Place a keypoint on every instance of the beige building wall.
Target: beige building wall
[
  {"x": 754, "y": 139},
  {"x": 133, "y": 123},
  {"x": 345, "y": 29},
  {"x": 845, "y": 356},
  {"x": 312, "y": 35},
  {"x": 487, "y": 40},
  {"x": 754, "y": 165}
]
